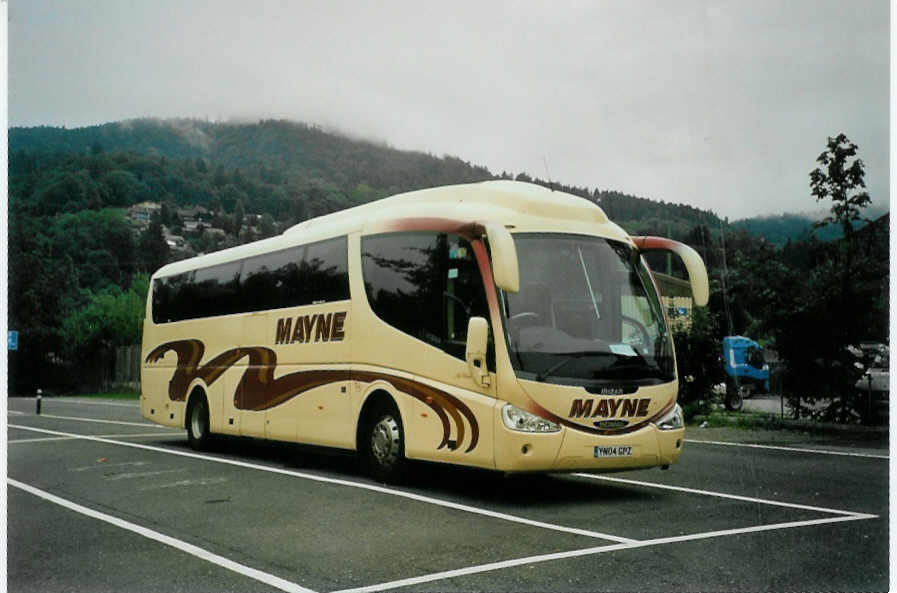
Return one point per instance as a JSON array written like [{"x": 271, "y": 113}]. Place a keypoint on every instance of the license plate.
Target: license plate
[{"x": 616, "y": 451}]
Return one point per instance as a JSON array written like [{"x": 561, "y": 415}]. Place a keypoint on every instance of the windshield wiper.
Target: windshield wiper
[
  {"x": 622, "y": 367},
  {"x": 550, "y": 370}
]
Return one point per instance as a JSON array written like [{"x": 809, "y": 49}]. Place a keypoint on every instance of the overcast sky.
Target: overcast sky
[{"x": 721, "y": 105}]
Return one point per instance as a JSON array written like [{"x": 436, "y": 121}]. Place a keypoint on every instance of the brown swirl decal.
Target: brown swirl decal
[
  {"x": 439, "y": 401},
  {"x": 258, "y": 389}
]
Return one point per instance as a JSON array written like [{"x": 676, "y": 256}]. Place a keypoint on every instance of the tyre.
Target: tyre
[
  {"x": 383, "y": 443},
  {"x": 734, "y": 399},
  {"x": 198, "y": 424}
]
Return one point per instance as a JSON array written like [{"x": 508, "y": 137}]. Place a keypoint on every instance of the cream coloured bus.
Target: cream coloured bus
[{"x": 497, "y": 324}]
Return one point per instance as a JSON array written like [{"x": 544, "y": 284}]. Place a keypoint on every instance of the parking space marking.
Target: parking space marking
[
  {"x": 622, "y": 543},
  {"x": 336, "y": 481},
  {"x": 105, "y": 436},
  {"x": 794, "y": 449},
  {"x": 730, "y": 496},
  {"x": 448, "y": 574},
  {"x": 134, "y": 475},
  {"x": 842, "y": 516},
  {"x": 184, "y": 483},
  {"x": 88, "y": 402},
  {"x": 264, "y": 577},
  {"x": 15, "y": 412},
  {"x": 82, "y": 419},
  {"x": 101, "y": 465}
]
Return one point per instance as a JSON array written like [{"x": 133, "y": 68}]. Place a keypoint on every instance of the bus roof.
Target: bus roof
[{"x": 517, "y": 205}]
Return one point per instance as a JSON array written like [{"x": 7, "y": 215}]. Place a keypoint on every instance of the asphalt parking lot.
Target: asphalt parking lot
[{"x": 100, "y": 500}]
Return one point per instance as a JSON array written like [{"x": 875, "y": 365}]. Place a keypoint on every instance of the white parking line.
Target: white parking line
[
  {"x": 186, "y": 483},
  {"x": 108, "y": 465},
  {"x": 135, "y": 475},
  {"x": 729, "y": 496},
  {"x": 105, "y": 436},
  {"x": 448, "y": 574},
  {"x": 624, "y": 543},
  {"x": 88, "y": 402},
  {"x": 82, "y": 419},
  {"x": 363, "y": 486},
  {"x": 15, "y": 412},
  {"x": 794, "y": 449},
  {"x": 264, "y": 577}
]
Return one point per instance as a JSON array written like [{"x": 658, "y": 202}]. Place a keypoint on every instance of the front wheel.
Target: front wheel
[
  {"x": 734, "y": 396},
  {"x": 198, "y": 424},
  {"x": 383, "y": 444}
]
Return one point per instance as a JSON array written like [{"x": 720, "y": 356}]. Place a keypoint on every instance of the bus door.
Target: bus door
[{"x": 428, "y": 285}]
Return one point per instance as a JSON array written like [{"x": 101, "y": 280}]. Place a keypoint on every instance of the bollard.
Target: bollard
[{"x": 38, "y": 401}]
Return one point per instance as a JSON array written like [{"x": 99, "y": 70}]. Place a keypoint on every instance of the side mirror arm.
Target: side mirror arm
[
  {"x": 697, "y": 273},
  {"x": 475, "y": 352}
]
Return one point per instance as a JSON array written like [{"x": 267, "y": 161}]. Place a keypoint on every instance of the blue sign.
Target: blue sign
[{"x": 12, "y": 340}]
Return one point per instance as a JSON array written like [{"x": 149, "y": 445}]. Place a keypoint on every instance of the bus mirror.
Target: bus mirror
[
  {"x": 697, "y": 273},
  {"x": 504, "y": 257},
  {"x": 475, "y": 353}
]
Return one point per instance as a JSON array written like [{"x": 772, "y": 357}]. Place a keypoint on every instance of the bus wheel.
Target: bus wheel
[
  {"x": 198, "y": 424},
  {"x": 384, "y": 443}
]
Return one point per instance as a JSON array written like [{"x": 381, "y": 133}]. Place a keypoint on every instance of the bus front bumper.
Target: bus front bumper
[{"x": 571, "y": 449}]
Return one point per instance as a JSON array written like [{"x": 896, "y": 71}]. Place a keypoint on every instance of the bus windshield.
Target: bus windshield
[{"x": 586, "y": 314}]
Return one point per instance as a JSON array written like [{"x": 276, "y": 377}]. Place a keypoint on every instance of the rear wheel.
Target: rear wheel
[
  {"x": 198, "y": 424},
  {"x": 383, "y": 443}
]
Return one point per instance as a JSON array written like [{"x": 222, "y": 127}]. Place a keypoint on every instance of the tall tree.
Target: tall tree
[
  {"x": 837, "y": 296},
  {"x": 840, "y": 178}
]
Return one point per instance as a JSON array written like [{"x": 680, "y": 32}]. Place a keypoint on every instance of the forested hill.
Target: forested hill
[
  {"x": 782, "y": 228},
  {"x": 288, "y": 160},
  {"x": 275, "y": 151}
]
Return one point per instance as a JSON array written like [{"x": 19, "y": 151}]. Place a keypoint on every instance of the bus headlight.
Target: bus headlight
[
  {"x": 673, "y": 420},
  {"x": 521, "y": 420}
]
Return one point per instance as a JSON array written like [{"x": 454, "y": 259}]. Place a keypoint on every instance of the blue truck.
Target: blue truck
[{"x": 746, "y": 370}]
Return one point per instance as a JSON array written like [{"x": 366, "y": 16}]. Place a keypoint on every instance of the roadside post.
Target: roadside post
[{"x": 39, "y": 392}]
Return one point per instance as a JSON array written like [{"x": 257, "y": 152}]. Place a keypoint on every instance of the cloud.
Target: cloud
[{"x": 722, "y": 105}]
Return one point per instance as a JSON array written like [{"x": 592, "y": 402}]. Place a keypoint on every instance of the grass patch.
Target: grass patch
[{"x": 767, "y": 421}]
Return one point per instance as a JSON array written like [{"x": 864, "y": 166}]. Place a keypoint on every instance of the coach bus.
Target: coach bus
[{"x": 498, "y": 324}]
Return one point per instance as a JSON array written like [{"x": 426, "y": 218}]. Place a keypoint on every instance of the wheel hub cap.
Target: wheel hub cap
[{"x": 385, "y": 440}]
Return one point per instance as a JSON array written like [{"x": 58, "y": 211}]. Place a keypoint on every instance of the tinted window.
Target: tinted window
[
  {"x": 170, "y": 296},
  {"x": 216, "y": 290},
  {"x": 272, "y": 281},
  {"x": 324, "y": 274},
  {"x": 292, "y": 277},
  {"x": 427, "y": 285}
]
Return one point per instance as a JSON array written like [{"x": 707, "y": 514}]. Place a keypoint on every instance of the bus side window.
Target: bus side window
[
  {"x": 171, "y": 296},
  {"x": 271, "y": 281},
  {"x": 217, "y": 290},
  {"x": 425, "y": 284},
  {"x": 325, "y": 271}
]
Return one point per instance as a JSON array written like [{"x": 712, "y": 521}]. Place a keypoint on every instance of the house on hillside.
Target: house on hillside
[
  {"x": 194, "y": 217},
  {"x": 141, "y": 214}
]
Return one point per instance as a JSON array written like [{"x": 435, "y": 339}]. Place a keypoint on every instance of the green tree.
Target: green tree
[
  {"x": 239, "y": 215},
  {"x": 840, "y": 177},
  {"x": 152, "y": 247},
  {"x": 266, "y": 226},
  {"x": 839, "y": 304}
]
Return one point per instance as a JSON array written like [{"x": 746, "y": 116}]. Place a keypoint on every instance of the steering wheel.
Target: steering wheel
[
  {"x": 514, "y": 325},
  {"x": 524, "y": 315},
  {"x": 644, "y": 341}
]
